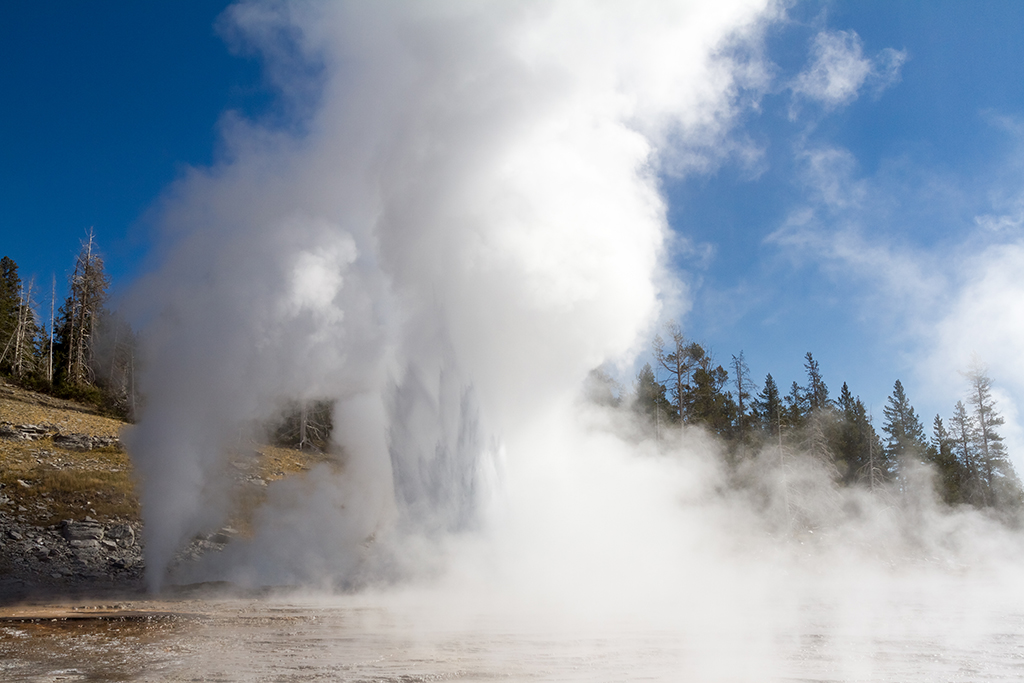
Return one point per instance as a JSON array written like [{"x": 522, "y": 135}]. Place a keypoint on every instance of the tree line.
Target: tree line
[
  {"x": 684, "y": 385},
  {"x": 85, "y": 351},
  {"x": 81, "y": 350}
]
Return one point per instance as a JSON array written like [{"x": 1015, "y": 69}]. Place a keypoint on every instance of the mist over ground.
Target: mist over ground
[{"x": 464, "y": 217}]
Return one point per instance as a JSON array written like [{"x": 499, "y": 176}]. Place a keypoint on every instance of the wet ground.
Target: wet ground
[{"x": 366, "y": 638}]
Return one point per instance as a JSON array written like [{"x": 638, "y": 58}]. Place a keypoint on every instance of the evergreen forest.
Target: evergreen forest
[
  {"x": 82, "y": 350},
  {"x": 684, "y": 387}
]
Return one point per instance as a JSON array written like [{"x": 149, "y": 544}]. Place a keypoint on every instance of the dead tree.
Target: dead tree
[{"x": 80, "y": 313}]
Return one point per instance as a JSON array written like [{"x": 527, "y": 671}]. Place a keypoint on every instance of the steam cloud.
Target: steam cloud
[
  {"x": 461, "y": 220},
  {"x": 468, "y": 221}
]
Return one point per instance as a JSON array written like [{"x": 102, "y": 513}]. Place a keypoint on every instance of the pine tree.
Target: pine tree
[
  {"x": 706, "y": 402},
  {"x": 695, "y": 393},
  {"x": 906, "y": 434},
  {"x": 649, "y": 399},
  {"x": 10, "y": 308},
  {"x": 768, "y": 407},
  {"x": 858, "y": 450},
  {"x": 950, "y": 471},
  {"x": 816, "y": 392},
  {"x": 19, "y": 329},
  {"x": 999, "y": 478},
  {"x": 962, "y": 443},
  {"x": 796, "y": 410},
  {"x": 988, "y": 442}
]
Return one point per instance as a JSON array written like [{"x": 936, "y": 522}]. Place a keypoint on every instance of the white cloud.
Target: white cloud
[
  {"x": 885, "y": 71},
  {"x": 839, "y": 69},
  {"x": 882, "y": 278},
  {"x": 830, "y": 173},
  {"x": 834, "y": 229},
  {"x": 935, "y": 303},
  {"x": 999, "y": 222},
  {"x": 986, "y": 318},
  {"x": 936, "y": 308}
]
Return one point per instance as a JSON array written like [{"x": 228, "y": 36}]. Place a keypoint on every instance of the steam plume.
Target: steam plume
[
  {"x": 459, "y": 219},
  {"x": 463, "y": 219}
]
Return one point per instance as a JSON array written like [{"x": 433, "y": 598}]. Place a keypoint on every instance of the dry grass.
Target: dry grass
[
  {"x": 276, "y": 462},
  {"x": 52, "y": 483},
  {"x": 260, "y": 466},
  {"x": 19, "y": 406},
  {"x": 47, "y": 483}
]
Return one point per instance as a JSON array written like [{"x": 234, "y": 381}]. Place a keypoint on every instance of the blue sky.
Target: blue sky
[
  {"x": 860, "y": 227},
  {"x": 926, "y": 156},
  {"x": 105, "y": 104}
]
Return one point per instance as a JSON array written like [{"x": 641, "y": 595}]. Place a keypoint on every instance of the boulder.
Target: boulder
[
  {"x": 88, "y": 530},
  {"x": 123, "y": 534}
]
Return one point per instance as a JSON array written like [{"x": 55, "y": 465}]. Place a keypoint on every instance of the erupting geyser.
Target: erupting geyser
[
  {"x": 460, "y": 220},
  {"x": 463, "y": 221}
]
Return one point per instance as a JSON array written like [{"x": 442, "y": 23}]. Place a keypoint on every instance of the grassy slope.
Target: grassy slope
[{"x": 53, "y": 483}]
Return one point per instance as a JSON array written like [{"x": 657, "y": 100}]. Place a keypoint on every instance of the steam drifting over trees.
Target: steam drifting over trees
[
  {"x": 92, "y": 355},
  {"x": 969, "y": 458}
]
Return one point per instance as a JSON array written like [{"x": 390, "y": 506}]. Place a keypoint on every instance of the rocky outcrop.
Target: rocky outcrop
[
  {"x": 71, "y": 442},
  {"x": 82, "y": 556},
  {"x": 26, "y": 432},
  {"x": 84, "y": 442},
  {"x": 73, "y": 556}
]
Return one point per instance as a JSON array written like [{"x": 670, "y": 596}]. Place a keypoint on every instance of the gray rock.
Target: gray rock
[
  {"x": 27, "y": 432},
  {"x": 88, "y": 530},
  {"x": 123, "y": 534},
  {"x": 84, "y": 442}
]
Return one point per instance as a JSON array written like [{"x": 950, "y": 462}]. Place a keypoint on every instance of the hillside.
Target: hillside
[{"x": 69, "y": 511}]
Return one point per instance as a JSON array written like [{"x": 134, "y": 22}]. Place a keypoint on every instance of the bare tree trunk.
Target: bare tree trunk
[
  {"x": 22, "y": 342},
  {"x": 303, "y": 421},
  {"x": 871, "y": 463},
  {"x": 113, "y": 355},
  {"x": 53, "y": 301},
  {"x": 132, "y": 380},
  {"x": 88, "y": 287},
  {"x": 782, "y": 468},
  {"x": 19, "y": 335}
]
